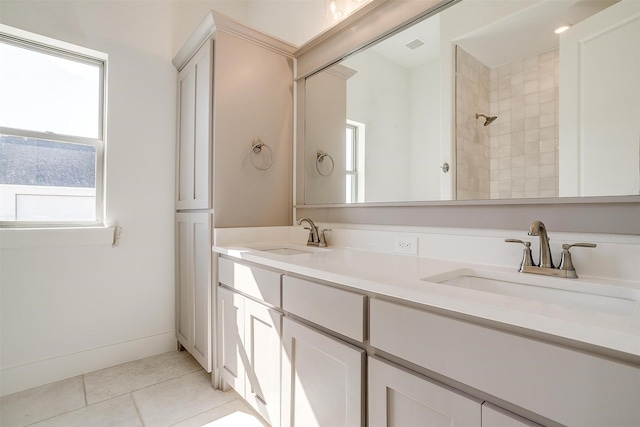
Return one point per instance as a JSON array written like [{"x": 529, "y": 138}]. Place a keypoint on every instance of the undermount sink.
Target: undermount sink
[
  {"x": 290, "y": 249},
  {"x": 565, "y": 292}
]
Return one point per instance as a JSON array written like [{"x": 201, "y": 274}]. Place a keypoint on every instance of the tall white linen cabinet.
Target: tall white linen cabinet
[{"x": 233, "y": 157}]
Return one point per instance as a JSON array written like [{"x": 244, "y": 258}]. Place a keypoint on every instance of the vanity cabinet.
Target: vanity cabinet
[
  {"x": 193, "y": 285},
  {"x": 250, "y": 334},
  {"x": 322, "y": 379},
  {"x": 399, "y": 398},
  {"x": 552, "y": 382}
]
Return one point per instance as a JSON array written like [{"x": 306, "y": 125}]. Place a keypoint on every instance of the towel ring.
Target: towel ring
[
  {"x": 320, "y": 155},
  {"x": 256, "y": 148}
]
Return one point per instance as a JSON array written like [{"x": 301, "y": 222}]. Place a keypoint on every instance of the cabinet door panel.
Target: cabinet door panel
[
  {"x": 201, "y": 255},
  {"x": 493, "y": 416},
  {"x": 263, "y": 327},
  {"x": 321, "y": 379},
  {"x": 194, "y": 131},
  {"x": 233, "y": 353},
  {"x": 398, "y": 398},
  {"x": 183, "y": 281}
]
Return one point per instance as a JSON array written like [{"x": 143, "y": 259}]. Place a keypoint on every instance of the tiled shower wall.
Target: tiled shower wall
[
  {"x": 518, "y": 153},
  {"x": 523, "y": 140},
  {"x": 472, "y": 138}
]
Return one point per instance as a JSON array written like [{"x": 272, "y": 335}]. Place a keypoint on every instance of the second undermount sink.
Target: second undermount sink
[{"x": 565, "y": 292}]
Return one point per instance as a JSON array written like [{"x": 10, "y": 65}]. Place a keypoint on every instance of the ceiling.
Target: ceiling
[{"x": 498, "y": 36}]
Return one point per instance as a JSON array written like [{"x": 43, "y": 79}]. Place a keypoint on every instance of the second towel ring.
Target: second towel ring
[
  {"x": 320, "y": 156},
  {"x": 256, "y": 148}
]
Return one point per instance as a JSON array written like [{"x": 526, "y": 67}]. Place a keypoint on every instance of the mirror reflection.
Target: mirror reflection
[{"x": 488, "y": 89}]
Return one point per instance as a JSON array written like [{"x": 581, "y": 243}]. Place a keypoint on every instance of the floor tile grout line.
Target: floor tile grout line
[
  {"x": 135, "y": 405},
  {"x": 84, "y": 390},
  {"x": 147, "y": 386},
  {"x": 62, "y": 413},
  {"x": 207, "y": 410}
]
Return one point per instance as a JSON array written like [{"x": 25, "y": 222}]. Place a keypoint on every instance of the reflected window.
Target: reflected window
[{"x": 354, "y": 160}]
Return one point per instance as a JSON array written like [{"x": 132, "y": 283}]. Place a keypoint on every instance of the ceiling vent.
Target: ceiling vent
[{"x": 414, "y": 44}]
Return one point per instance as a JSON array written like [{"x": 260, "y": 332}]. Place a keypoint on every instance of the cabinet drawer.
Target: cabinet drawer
[
  {"x": 335, "y": 309},
  {"x": 254, "y": 281},
  {"x": 556, "y": 382}
]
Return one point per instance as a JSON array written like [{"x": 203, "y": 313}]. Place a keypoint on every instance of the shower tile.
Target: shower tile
[
  {"x": 517, "y": 185},
  {"x": 532, "y": 135},
  {"x": 517, "y": 101},
  {"x": 548, "y": 184},
  {"x": 518, "y": 137},
  {"x": 548, "y": 133},
  {"x": 547, "y": 70},
  {"x": 504, "y": 163},
  {"x": 504, "y": 70},
  {"x": 517, "y": 90},
  {"x": 517, "y": 195},
  {"x": 546, "y": 57},
  {"x": 505, "y": 186},
  {"x": 532, "y": 111},
  {"x": 517, "y": 79},
  {"x": 517, "y": 66},
  {"x": 548, "y": 158},
  {"x": 504, "y": 140},
  {"x": 550, "y": 193},
  {"x": 547, "y": 171},
  {"x": 531, "y": 184},
  {"x": 504, "y": 128},
  {"x": 518, "y": 149},
  {"x": 547, "y": 82},
  {"x": 531, "y": 123},
  {"x": 532, "y": 147},
  {"x": 531, "y": 63},
  {"x": 505, "y": 174},
  {"x": 547, "y": 120},
  {"x": 517, "y": 113},
  {"x": 547, "y": 108},
  {"x": 547, "y": 95},
  {"x": 532, "y": 98},
  {"x": 532, "y": 173},
  {"x": 517, "y": 173},
  {"x": 518, "y": 125},
  {"x": 547, "y": 145},
  {"x": 504, "y": 104},
  {"x": 531, "y": 86},
  {"x": 504, "y": 151},
  {"x": 531, "y": 75}
]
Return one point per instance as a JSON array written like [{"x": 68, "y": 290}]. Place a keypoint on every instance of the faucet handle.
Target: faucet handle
[
  {"x": 527, "y": 258},
  {"x": 565, "y": 260},
  {"x": 323, "y": 240}
]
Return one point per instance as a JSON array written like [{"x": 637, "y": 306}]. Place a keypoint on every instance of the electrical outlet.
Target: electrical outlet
[{"x": 406, "y": 245}]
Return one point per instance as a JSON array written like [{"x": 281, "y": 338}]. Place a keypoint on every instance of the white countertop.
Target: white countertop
[{"x": 400, "y": 276}]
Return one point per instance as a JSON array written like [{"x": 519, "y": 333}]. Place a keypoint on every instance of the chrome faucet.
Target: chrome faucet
[
  {"x": 316, "y": 238},
  {"x": 538, "y": 229},
  {"x": 566, "y": 268}
]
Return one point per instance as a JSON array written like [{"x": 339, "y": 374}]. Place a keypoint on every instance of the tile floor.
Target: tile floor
[{"x": 169, "y": 389}]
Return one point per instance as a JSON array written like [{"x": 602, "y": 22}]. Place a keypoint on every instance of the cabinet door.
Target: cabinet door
[
  {"x": 193, "y": 285},
  {"x": 322, "y": 379},
  {"x": 231, "y": 331},
  {"x": 398, "y": 398},
  {"x": 262, "y": 329},
  {"x": 494, "y": 416},
  {"x": 193, "y": 171}
]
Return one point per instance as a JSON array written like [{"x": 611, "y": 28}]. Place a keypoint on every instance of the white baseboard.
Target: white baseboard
[{"x": 34, "y": 374}]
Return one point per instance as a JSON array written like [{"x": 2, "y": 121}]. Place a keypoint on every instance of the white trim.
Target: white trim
[
  {"x": 23, "y": 377},
  {"x": 56, "y": 237},
  {"x": 215, "y": 21}
]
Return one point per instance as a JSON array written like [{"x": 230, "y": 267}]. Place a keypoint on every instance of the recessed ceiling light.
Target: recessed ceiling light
[{"x": 562, "y": 28}]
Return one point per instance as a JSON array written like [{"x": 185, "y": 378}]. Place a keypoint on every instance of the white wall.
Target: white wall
[
  {"x": 424, "y": 132},
  {"x": 71, "y": 303},
  {"x": 377, "y": 95}
]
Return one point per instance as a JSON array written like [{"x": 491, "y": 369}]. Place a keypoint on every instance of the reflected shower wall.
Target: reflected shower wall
[{"x": 520, "y": 148}]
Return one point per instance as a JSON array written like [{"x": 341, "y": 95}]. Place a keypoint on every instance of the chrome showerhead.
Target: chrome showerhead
[{"x": 488, "y": 120}]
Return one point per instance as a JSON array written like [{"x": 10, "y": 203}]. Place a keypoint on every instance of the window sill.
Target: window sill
[{"x": 55, "y": 237}]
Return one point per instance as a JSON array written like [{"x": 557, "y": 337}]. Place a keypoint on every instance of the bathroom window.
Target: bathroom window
[{"x": 52, "y": 142}]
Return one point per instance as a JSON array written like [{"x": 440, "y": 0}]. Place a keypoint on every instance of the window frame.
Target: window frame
[{"x": 50, "y": 46}]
